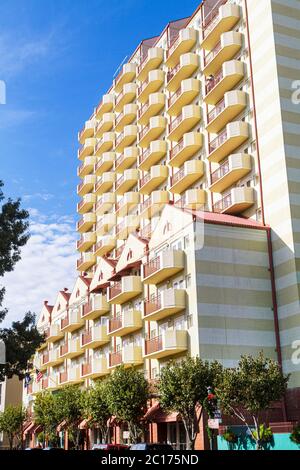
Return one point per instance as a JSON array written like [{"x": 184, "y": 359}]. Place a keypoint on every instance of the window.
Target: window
[
  {"x": 188, "y": 280},
  {"x": 186, "y": 242}
]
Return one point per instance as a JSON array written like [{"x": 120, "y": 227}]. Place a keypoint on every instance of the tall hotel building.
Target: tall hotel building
[{"x": 189, "y": 229}]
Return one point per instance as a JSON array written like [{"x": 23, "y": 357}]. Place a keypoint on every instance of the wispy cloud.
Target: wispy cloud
[
  {"x": 18, "y": 53},
  {"x": 44, "y": 196},
  {"x": 47, "y": 265},
  {"x": 14, "y": 117}
]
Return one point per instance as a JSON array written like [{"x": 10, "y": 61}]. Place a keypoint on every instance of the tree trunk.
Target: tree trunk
[{"x": 11, "y": 442}]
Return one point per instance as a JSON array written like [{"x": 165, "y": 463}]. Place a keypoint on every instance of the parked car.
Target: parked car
[
  {"x": 152, "y": 447},
  {"x": 110, "y": 447},
  {"x": 53, "y": 448}
]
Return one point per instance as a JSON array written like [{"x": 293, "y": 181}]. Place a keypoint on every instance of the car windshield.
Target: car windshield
[{"x": 138, "y": 447}]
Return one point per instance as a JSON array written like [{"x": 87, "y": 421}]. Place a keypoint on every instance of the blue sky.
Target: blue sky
[{"x": 57, "y": 58}]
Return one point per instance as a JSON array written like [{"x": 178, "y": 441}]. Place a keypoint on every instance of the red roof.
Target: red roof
[
  {"x": 86, "y": 280},
  {"x": 225, "y": 219}
]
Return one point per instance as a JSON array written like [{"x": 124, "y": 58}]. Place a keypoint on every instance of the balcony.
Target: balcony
[
  {"x": 128, "y": 202},
  {"x": 54, "y": 358},
  {"x": 86, "y": 241},
  {"x": 193, "y": 199},
  {"x": 126, "y": 117},
  {"x": 97, "y": 367},
  {"x": 104, "y": 246},
  {"x": 130, "y": 355},
  {"x": 186, "y": 68},
  {"x": 151, "y": 108},
  {"x": 226, "y": 18},
  {"x": 87, "y": 131},
  {"x": 126, "y": 138},
  {"x": 87, "y": 185},
  {"x": 127, "y": 181},
  {"x": 105, "y": 144},
  {"x": 74, "y": 375},
  {"x": 70, "y": 349},
  {"x": 152, "y": 84},
  {"x": 45, "y": 361},
  {"x": 169, "y": 343},
  {"x": 233, "y": 103},
  {"x": 187, "y": 92},
  {"x": 105, "y": 163},
  {"x": 191, "y": 172},
  {"x": 87, "y": 148},
  {"x": 105, "y": 203},
  {"x": 232, "y": 170},
  {"x": 232, "y": 137},
  {"x": 106, "y": 124},
  {"x": 165, "y": 304},
  {"x": 94, "y": 337},
  {"x": 166, "y": 265},
  {"x": 95, "y": 308},
  {"x": 186, "y": 148},
  {"x": 186, "y": 121},
  {"x": 86, "y": 223},
  {"x": 63, "y": 378},
  {"x": 105, "y": 106},
  {"x": 236, "y": 201},
  {"x": 126, "y": 96},
  {"x": 152, "y": 155},
  {"x": 53, "y": 333},
  {"x": 86, "y": 204},
  {"x": 152, "y": 61},
  {"x": 86, "y": 261},
  {"x": 228, "y": 46},
  {"x": 128, "y": 225},
  {"x": 86, "y": 167},
  {"x": 105, "y": 183},
  {"x": 152, "y": 131},
  {"x": 107, "y": 222},
  {"x": 126, "y": 75},
  {"x": 126, "y": 159},
  {"x": 154, "y": 204},
  {"x": 184, "y": 42},
  {"x": 128, "y": 322},
  {"x": 124, "y": 290},
  {"x": 157, "y": 175}
]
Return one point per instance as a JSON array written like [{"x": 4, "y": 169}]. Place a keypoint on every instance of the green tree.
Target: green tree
[
  {"x": 249, "y": 390},
  {"x": 183, "y": 387},
  {"x": 70, "y": 401},
  {"x": 127, "y": 395},
  {"x": 96, "y": 409},
  {"x": 22, "y": 339},
  {"x": 46, "y": 414},
  {"x": 11, "y": 423}
]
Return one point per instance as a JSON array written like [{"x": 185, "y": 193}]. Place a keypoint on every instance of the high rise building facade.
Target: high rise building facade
[{"x": 189, "y": 208}]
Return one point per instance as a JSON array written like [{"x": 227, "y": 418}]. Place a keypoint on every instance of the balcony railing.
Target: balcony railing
[
  {"x": 220, "y": 172},
  {"x": 175, "y": 122},
  {"x": 173, "y": 72},
  {"x": 63, "y": 377},
  {"x": 146, "y": 204},
  {"x": 115, "y": 324},
  {"x": 115, "y": 289},
  {"x": 178, "y": 176},
  {"x": 144, "y": 131},
  {"x": 115, "y": 358},
  {"x": 152, "y": 266},
  {"x": 87, "y": 337},
  {"x": 216, "y": 111},
  {"x": 175, "y": 150},
  {"x": 173, "y": 44},
  {"x": 211, "y": 83},
  {"x": 174, "y": 97},
  {"x": 64, "y": 348},
  {"x": 214, "y": 144},
  {"x": 142, "y": 87},
  {"x": 146, "y": 232},
  {"x": 212, "y": 54},
  {"x": 223, "y": 204},
  {"x": 152, "y": 305},
  {"x": 153, "y": 344}
]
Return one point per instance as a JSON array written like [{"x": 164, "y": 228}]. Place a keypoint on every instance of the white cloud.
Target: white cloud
[
  {"x": 44, "y": 196},
  {"x": 48, "y": 265},
  {"x": 14, "y": 117},
  {"x": 17, "y": 53}
]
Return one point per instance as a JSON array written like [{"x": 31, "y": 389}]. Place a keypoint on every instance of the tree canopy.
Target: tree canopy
[
  {"x": 127, "y": 395},
  {"x": 96, "y": 409},
  {"x": 11, "y": 423},
  {"x": 22, "y": 338}
]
